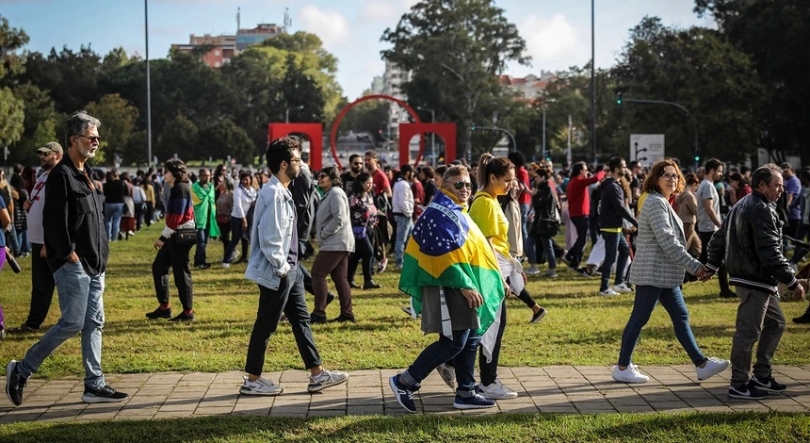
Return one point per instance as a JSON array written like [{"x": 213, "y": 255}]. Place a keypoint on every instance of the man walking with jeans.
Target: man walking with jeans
[
  {"x": 77, "y": 249},
  {"x": 402, "y": 205},
  {"x": 749, "y": 243},
  {"x": 273, "y": 265},
  {"x": 708, "y": 216}
]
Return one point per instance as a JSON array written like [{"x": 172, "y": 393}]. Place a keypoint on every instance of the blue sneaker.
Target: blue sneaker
[
  {"x": 403, "y": 395},
  {"x": 476, "y": 401}
]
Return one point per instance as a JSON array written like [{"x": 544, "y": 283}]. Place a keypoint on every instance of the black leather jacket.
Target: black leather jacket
[{"x": 750, "y": 244}]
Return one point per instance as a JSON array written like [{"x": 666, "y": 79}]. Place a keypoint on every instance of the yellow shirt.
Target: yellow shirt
[{"x": 487, "y": 214}]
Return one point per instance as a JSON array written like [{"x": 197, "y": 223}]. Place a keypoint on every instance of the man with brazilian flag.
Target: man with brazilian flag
[{"x": 453, "y": 277}]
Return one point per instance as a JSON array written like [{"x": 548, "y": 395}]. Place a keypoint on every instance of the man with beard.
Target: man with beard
[
  {"x": 77, "y": 250},
  {"x": 205, "y": 214},
  {"x": 355, "y": 168},
  {"x": 273, "y": 265},
  {"x": 41, "y": 277}
]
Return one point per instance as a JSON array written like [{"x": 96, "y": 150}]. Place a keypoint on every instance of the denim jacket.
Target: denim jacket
[{"x": 271, "y": 235}]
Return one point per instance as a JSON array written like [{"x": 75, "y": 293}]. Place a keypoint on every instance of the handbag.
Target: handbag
[{"x": 185, "y": 236}]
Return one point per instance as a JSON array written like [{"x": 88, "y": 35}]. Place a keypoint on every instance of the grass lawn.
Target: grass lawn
[{"x": 581, "y": 328}]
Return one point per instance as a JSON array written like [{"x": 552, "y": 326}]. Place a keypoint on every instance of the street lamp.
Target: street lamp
[
  {"x": 432, "y": 135},
  {"x": 148, "y": 88}
]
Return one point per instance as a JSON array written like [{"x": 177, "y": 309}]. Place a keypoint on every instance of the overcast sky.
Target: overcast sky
[{"x": 557, "y": 31}]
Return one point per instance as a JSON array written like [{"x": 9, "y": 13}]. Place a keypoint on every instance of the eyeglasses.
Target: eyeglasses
[
  {"x": 44, "y": 154},
  {"x": 94, "y": 138},
  {"x": 669, "y": 177},
  {"x": 462, "y": 185}
]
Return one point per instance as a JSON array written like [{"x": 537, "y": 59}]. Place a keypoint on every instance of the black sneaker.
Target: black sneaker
[
  {"x": 183, "y": 317},
  {"x": 102, "y": 395},
  {"x": 354, "y": 285},
  {"x": 317, "y": 319},
  {"x": 537, "y": 316},
  {"x": 475, "y": 401},
  {"x": 803, "y": 319},
  {"x": 329, "y": 298},
  {"x": 342, "y": 318},
  {"x": 371, "y": 284},
  {"x": 568, "y": 262},
  {"x": 159, "y": 313},
  {"x": 203, "y": 266},
  {"x": 728, "y": 294},
  {"x": 746, "y": 392},
  {"x": 583, "y": 272},
  {"x": 15, "y": 384},
  {"x": 403, "y": 395},
  {"x": 767, "y": 384}
]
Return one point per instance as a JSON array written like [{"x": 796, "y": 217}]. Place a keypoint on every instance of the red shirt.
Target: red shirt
[
  {"x": 380, "y": 181},
  {"x": 525, "y": 197},
  {"x": 579, "y": 201}
]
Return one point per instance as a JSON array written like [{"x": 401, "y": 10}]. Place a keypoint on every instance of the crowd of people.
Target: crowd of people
[{"x": 464, "y": 237}]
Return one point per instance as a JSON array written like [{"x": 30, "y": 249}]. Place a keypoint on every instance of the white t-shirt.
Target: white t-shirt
[
  {"x": 706, "y": 190},
  {"x": 35, "y": 232}
]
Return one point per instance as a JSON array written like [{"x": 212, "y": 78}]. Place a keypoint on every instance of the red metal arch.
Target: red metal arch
[{"x": 339, "y": 118}]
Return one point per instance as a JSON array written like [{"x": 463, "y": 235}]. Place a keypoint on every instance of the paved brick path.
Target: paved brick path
[{"x": 552, "y": 389}]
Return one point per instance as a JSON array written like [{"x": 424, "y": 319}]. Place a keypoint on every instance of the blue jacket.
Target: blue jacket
[{"x": 271, "y": 235}]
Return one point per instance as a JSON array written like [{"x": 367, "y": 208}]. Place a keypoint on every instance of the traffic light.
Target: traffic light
[
  {"x": 697, "y": 158},
  {"x": 472, "y": 127},
  {"x": 618, "y": 97}
]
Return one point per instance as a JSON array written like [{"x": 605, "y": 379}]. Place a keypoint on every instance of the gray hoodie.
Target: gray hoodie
[{"x": 333, "y": 223}]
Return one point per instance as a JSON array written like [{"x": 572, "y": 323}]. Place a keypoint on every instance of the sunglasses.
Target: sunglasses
[
  {"x": 96, "y": 139},
  {"x": 462, "y": 185}
]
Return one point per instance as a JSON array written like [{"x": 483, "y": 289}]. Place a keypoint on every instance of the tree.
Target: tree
[
  {"x": 455, "y": 49},
  {"x": 71, "y": 78},
  {"x": 41, "y": 121},
  {"x": 181, "y": 138},
  {"x": 118, "y": 119},
  {"x": 224, "y": 138},
  {"x": 773, "y": 33},
  {"x": 370, "y": 116},
  {"x": 11, "y": 108},
  {"x": 700, "y": 70}
]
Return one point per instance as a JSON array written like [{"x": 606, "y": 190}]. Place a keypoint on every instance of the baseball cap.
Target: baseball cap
[{"x": 52, "y": 147}]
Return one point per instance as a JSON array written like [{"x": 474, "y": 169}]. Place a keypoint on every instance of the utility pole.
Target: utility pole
[
  {"x": 148, "y": 88},
  {"x": 593, "y": 83},
  {"x": 544, "y": 132}
]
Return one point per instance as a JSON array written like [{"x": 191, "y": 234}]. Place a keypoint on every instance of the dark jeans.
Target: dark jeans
[
  {"x": 461, "y": 349},
  {"x": 224, "y": 236},
  {"x": 175, "y": 257},
  {"x": 578, "y": 248},
  {"x": 140, "y": 210},
  {"x": 363, "y": 252},
  {"x": 42, "y": 287},
  {"x": 647, "y": 297},
  {"x": 722, "y": 275},
  {"x": 336, "y": 265},
  {"x": 800, "y": 252},
  {"x": 549, "y": 248},
  {"x": 289, "y": 300},
  {"x": 236, "y": 237},
  {"x": 149, "y": 213},
  {"x": 614, "y": 242},
  {"x": 489, "y": 371},
  {"x": 202, "y": 242}
]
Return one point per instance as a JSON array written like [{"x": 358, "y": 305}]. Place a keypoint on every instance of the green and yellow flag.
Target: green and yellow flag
[{"x": 447, "y": 249}]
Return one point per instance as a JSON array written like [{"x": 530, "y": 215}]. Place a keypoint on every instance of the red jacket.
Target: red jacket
[{"x": 579, "y": 201}]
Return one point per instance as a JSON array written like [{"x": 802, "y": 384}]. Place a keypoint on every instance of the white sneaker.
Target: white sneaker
[
  {"x": 713, "y": 367},
  {"x": 622, "y": 288},
  {"x": 326, "y": 379},
  {"x": 629, "y": 375},
  {"x": 609, "y": 292},
  {"x": 495, "y": 391},
  {"x": 226, "y": 265},
  {"x": 448, "y": 374},
  {"x": 261, "y": 386}
]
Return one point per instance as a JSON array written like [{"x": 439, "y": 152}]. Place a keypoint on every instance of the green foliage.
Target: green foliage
[
  {"x": 180, "y": 138},
  {"x": 117, "y": 123},
  {"x": 11, "y": 41},
  {"x": 11, "y": 117},
  {"x": 40, "y": 126},
  {"x": 224, "y": 138},
  {"x": 370, "y": 116}
]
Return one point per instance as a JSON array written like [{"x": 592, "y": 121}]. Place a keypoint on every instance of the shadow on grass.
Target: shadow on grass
[{"x": 502, "y": 427}]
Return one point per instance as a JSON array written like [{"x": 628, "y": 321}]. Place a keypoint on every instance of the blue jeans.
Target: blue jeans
[
  {"x": 547, "y": 243},
  {"x": 202, "y": 242},
  {"x": 528, "y": 243},
  {"x": 672, "y": 300},
  {"x": 404, "y": 228},
  {"x": 112, "y": 219},
  {"x": 82, "y": 305},
  {"x": 614, "y": 242},
  {"x": 22, "y": 241},
  {"x": 461, "y": 349}
]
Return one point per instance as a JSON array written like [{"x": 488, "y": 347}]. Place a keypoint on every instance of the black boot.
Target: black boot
[{"x": 804, "y": 318}]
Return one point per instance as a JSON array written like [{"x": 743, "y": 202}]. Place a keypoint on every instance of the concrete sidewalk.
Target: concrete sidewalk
[{"x": 551, "y": 389}]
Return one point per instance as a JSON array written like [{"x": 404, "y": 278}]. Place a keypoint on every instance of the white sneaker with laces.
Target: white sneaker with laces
[
  {"x": 713, "y": 367},
  {"x": 496, "y": 391},
  {"x": 630, "y": 375},
  {"x": 609, "y": 292},
  {"x": 622, "y": 288},
  {"x": 261, "y": 386},
  {"x": 326, "y": 379}
]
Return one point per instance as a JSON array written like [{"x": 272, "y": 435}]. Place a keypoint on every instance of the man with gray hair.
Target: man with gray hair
[
  {"x": 750, "y": 243},
  {"x": 76, "y": 249}
]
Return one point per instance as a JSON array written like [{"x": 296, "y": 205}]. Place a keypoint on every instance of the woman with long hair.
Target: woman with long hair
[
  {"x": 333, "y": 232},
  {"x": 686, "y": 202},
  {"x": 243, "y": 199},
  {"x": 658, "y": 272},
  {"x": 172, "y": 254},
  {"x": 495, "y": 175},
  {"x": 224, "y": 209},
  {"x": 363, "y": 214}
]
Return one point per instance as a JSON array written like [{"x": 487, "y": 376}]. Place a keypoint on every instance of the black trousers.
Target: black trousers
[
  {"x": 363, "y": 252},
  {"x": 42, "y": 287},
  {"x": 287, "y": 299},
  {"x": 575, "y": 254},
  {"x": 175, "y": 257},
  {"x": 489, "y": 371},
  {"x": 722, "y": 275}
]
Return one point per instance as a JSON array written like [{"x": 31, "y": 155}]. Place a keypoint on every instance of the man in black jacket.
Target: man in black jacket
[
  {"x": 750, "y": 244},
  {"x": 77, "y": 250},
  {"x": 612, "y": 214}
]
